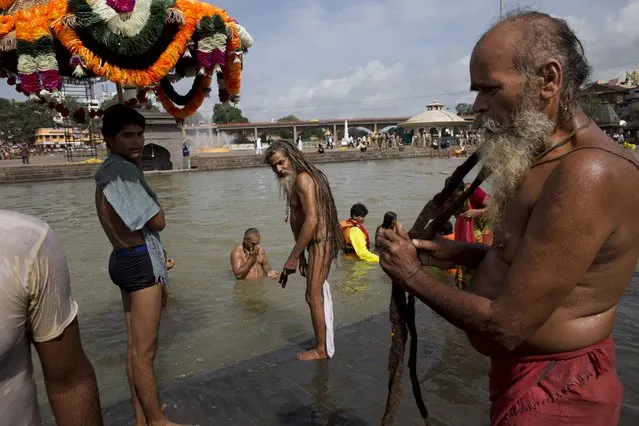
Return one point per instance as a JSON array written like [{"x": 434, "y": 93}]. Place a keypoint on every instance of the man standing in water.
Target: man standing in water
[
  {"x": 248, "y": 260},
  {"x": 316, "y": 228},
  {"x": 132, "y": 219},
  {"x": 543, "y": 299}
]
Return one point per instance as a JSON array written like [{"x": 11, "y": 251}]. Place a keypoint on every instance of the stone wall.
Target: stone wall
[
  {"x": 162, "y": 130},
  {"x": 45, "y": 172},
  {"x": 330, "y": 156},
  {"x": 34, "y": 173}
]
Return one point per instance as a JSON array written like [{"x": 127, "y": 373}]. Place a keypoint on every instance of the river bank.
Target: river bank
[
  {"x": 54, "y": 171},
  {"x": 350, "y": 389}
]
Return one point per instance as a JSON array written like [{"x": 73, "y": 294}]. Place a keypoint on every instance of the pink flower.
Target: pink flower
[
  {"x": 218, "y": 57},
  {"x": 51, "y": 80},
  {"x": 30, "y": 83},
  {"x": 121, "y": 6}
]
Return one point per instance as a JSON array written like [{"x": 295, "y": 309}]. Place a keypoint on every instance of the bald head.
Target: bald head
[{"x": 539, "y": 48}]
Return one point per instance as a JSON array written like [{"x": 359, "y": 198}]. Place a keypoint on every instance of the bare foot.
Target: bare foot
[{"x": 311, "y": 355}]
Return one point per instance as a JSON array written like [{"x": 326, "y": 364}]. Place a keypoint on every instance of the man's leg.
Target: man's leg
[
  {"x": 146, "y": 305},
  {"x": 140, "y": 419},
  {"x": 318, "y": 268}
]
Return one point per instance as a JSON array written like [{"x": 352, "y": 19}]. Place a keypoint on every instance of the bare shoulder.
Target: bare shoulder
[
  {"x": 304, "y": 181},
  {"x": 237, "y": 251},
  {"x": 599, "y": 162}
]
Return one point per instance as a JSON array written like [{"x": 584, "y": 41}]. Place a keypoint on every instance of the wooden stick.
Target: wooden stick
[{"x": 402, "y": 313}]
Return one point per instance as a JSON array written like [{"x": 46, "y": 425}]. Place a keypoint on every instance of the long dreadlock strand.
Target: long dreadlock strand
[
  {"x": 327, "y": 212},
  {"x": 402, "y": 314}
]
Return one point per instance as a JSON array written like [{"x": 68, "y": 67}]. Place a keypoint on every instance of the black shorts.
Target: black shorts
[{"x": 131, "y": 269}]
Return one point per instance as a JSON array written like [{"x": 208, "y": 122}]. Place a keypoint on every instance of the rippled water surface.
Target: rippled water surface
[{"x": 212, "y": 319}]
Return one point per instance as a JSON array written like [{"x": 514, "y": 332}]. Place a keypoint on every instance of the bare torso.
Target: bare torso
[
  {"x": 257, "y": 270},
  {"x": 118, "y": 233},
  {"x": 298, "y": 216},
  {"x": 586, "y": 316}
]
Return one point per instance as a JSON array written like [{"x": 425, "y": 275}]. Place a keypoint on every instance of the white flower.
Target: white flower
[
  {"x": 245, "y": 37},
  {"x": 129, "y": 27}
]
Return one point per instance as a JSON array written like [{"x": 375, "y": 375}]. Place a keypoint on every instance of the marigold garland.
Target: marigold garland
[
  {"x": 195, "y": 102},
  {"x": 30, "y": 32},
  {"x": 193, "y": 12},
  {"x": 6, "y": 4},
  {"x": 121, "y": 44},
  {"x": 7, "y": 24}
]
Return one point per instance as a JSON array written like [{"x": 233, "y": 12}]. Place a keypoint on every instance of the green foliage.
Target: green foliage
[
  {"x": 306, "y": 132},
  {"x": 196, "y": 118},
  {"x": 226, "y": 114},
  {"x": 590, "y": 103},
  {"x": 19, "y": 120},
  {"x": 463, "y": 108}
]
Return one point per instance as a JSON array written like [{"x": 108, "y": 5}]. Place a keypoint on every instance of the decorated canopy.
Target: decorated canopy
[{"x": 148, "y": 44}]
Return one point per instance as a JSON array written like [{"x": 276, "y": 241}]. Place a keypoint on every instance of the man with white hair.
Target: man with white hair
[{"x": 543, "y": 299}]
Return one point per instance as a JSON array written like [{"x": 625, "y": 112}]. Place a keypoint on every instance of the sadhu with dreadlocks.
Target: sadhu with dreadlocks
[{"x": 315, "y": 226}]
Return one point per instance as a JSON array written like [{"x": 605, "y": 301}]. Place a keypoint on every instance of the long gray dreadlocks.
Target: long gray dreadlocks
[{"x": 325, "y": 203}]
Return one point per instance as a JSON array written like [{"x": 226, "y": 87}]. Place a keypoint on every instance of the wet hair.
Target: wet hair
[
  {"x": 251, "y": 231},
  {"x": 359, "y": 209},
  {"x": 542, "y": 38},
  {"x": 325, "y": 201},
  {"x": 390, "y": 217},
  {"x": 117, "y": 117}
]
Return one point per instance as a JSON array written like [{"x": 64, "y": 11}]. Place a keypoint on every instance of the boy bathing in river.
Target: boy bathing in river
[{"x": 132, "y": 219}]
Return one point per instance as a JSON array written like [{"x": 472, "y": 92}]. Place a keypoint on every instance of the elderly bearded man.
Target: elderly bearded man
[{"x": 543, "y": 300}]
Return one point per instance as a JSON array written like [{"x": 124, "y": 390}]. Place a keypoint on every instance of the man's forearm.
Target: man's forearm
[
  {"x": 75, "y": 401},
  {"x": 467, "y": 311},
  {"x": 245, "y": 268},
  {"x": 468, "y": 254}
]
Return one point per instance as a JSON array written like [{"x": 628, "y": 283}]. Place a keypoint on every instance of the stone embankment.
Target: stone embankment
[{"x": 51, "y": 172}]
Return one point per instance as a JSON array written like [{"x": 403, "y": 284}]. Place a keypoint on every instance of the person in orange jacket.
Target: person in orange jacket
[{"x": 357, "y": 240}]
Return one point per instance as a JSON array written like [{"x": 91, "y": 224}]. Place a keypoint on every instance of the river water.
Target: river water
[{"x": 213, "y": 320}]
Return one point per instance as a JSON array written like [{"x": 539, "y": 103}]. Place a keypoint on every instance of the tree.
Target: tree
[
  {"x": 226, "y": 114},
  {"x": 590, "y": 103},
  {"x": 19, "y": 120},
  {"x": 305, "y": 133},
  {"x": 196, "y": 118},
  {"x": 463, "y": 109}
]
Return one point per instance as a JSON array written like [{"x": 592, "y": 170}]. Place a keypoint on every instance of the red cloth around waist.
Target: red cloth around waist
[{"x": 578, "y": 387}]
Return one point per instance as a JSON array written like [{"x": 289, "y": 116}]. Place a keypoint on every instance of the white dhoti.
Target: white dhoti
[{"x": 328, "y": 320}]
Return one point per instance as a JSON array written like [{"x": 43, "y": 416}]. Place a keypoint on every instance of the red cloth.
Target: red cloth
[
  {"x": 464, "y": 229},
  {"x": 572, "y": 388}
]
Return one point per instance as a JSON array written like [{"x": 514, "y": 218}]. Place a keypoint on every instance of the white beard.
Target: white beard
[
  {"x": 287, "y": 182},
  {"x": 508, "y": 153}
]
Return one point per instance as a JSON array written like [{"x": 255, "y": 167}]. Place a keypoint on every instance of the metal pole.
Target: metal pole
[
  {"x": 501, "y": 8},
  {"x": 118, "y": 87}
]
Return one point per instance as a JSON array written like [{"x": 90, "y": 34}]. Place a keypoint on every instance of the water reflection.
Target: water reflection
[
  {"x": 213, "y": 320},
  {"x": 250, "y": 295}
]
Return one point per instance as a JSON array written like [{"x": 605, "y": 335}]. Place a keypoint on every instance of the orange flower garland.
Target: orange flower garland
[
  {"x": 52, "y": 20},
  {"x": 195, "y": 103},
  {"x": 7, "y": 24},
  {"x": 33, "y": 24},
  {"x": 6, "y": 4},
  {"x": 193, "y": 11}
]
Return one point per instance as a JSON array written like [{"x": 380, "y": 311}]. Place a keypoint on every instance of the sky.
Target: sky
[{"x": 371, "y": 58}]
